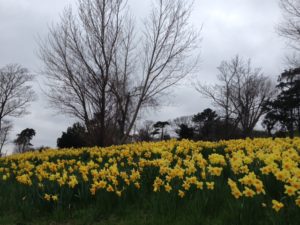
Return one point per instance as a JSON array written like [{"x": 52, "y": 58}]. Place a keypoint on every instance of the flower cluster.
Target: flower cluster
[{"x": 178, "y": 167}]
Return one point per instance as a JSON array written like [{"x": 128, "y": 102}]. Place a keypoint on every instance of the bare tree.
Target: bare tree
[
  {"x": 290, "y": 26},
  {"x": 145, "y": 132},
  {"x": 241, "y": 93},
  {"x": 250, "y": 89},
  {"x": 4, "y": 132},
  {"x": 220, "y": 93},
  {"x": 79, "y": 56},
  {"x": 187, "y": 120},
  {"x": 167, "y": 45},
  {"x": 15, "y": 96},
  {"x": 101, "y": 70}
]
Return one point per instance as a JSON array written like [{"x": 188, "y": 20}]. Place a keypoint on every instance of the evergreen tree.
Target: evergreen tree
[
  {"x": 160, "y": 125},
  {"x": 23, "y": 140},
  {"x": 74, "y": 137},
  {"x": 284, "y": 110},
  {"x": 185, "y": 132},
  {"x": 206, "y": 122}
]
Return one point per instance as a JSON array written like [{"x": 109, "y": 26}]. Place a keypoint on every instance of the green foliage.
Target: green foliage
[
  {"x": 75, "y": 137},
  {"x": 160, "y": 125},
  {"x": 206, "y": 124},
  {"x": 185, "y": 132},
  {"x": 23, "y": 140},
  {"x": 209, "y": 126},
  {"x": 159, "y": 208},
  {"x": 284, "y": 111}
]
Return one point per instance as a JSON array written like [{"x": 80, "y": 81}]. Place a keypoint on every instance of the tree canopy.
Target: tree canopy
[{"x": 23, "y": 139}]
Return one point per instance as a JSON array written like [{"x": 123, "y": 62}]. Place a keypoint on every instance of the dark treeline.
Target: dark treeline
[
  {"x": 280, "y": 116},
  {"x": 283, "y": 111}
]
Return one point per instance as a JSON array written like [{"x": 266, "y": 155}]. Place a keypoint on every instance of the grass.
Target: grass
[
  {"x": 90, "y": 217},
  {"x": 159, "y": 209}
]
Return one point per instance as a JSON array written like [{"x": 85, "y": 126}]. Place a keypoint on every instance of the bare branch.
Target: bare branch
[
  {"x": 101, "y": 72},
  {"x": 240, "y": 93},
  {"x": 290, "y": 27},
  {"x": 15, "y": 96}
]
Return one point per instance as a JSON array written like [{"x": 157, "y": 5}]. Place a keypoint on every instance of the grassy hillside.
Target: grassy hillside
[{"x": 174, "y": 182}]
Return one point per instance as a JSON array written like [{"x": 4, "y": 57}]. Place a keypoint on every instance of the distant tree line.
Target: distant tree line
[
  {"x": 243, "y": 98},
  {"x": 206, "y": 125}
]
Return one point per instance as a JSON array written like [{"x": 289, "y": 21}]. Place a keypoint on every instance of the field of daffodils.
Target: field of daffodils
[{"x": 251, "y": 181}]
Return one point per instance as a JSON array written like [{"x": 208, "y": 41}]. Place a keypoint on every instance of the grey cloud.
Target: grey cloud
[{"x": 229, "y": 27}]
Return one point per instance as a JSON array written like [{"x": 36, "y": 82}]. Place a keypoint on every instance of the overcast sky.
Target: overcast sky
[{"x": 230, "y": 27}]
